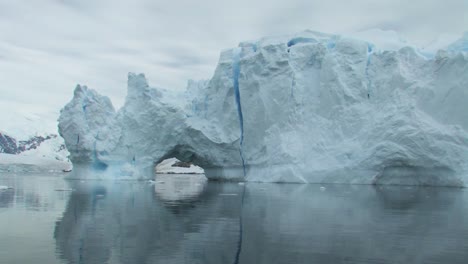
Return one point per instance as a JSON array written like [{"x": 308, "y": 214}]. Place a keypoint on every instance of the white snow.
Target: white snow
[
  {"x": 49, "y": 149},
  {"x": 23, "y": 124},
  {"x": 306, "y": 108},
  {"x": 165, "y": 167},
  {"x": 47, "y": 157},
  {"x": 22, "y": 163}
]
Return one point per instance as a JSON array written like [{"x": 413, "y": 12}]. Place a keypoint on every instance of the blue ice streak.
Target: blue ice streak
[
  {"x": 370, "y": 50},
  {"x": 235, "y": 78},
  {"x": 298, "y": 40}
]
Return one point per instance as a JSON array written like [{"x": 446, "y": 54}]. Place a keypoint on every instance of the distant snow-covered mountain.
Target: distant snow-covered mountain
[
  {"x": 37, "y": 154},
  {"x": 30, "y": 143},
  {"x": 10, "y": 145}
]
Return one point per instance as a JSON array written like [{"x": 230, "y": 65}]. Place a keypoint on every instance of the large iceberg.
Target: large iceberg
[{"x": 307, "y": 108}]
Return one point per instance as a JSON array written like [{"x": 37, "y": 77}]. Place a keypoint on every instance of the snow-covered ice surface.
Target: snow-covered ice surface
[
  {"x": 166, "y": 167},
  {"x": 305, "y": 108}
]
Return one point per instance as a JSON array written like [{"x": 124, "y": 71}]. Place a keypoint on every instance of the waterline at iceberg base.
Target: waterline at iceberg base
[{"x": 307, "y": 108}]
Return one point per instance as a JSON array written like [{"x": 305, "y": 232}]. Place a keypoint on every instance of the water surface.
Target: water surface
[{"x": 184, "y": 219}]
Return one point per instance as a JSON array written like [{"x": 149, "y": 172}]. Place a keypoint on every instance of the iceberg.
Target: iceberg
[{"x": 304, "y": 108}]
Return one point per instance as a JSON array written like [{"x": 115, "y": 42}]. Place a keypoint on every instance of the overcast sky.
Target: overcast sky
[{"x": 48, "y": 46}]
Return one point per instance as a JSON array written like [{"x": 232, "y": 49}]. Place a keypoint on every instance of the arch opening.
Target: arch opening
[
  {"x": 178, "y": 182},
  {"x": 175, "y": 166},
  {"x": 181, "y": 159}
]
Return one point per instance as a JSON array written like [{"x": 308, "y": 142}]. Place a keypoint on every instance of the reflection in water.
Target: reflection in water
[
  {"x": 27, "y": 214},
  {"x": 133, "y": 223},
  {"x": 241, "y": 228},
  {"x": 352, "y": 224},
  {"x": 183, "y": 220},
  {"x": 6, "y": 197},
  {"x": 197, "y": 222},
  {"x": 173, "y": 189},
  {"x": 31, "y": 192}
]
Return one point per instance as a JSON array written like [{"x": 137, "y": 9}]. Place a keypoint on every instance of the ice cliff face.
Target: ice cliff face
[{"x": 306, "y": 108}]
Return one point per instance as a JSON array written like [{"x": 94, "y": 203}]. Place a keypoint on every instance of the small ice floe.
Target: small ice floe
[
  {"x": 228, "y": 194},
  {"x": 3, "y": 187},
  {"x": 100, "y": 195},
  {"x": 63, "y": 190},
  {"x": 151, "y": 182},
  {"x": 67, "y": 170},
  {"x": 241, "y": 183},
  {"x": 322, "y": 188}
]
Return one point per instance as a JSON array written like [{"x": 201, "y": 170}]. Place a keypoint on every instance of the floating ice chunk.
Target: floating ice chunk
[{"x": 64, "y": 190}]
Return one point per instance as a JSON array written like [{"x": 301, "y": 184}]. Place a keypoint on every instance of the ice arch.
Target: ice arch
[
  {"x": 146, "y": 130},
  {"x": 298, "y": 112}
]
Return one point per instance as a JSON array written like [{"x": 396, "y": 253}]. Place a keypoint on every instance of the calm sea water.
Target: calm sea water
[{"x": 184, "y": 219}]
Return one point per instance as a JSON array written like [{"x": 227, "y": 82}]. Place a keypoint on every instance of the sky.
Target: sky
[{"x": 49, "y": 46}]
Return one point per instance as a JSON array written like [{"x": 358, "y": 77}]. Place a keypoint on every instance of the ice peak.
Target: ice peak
[
  {"x": 80, "y": 90},
  {"x": 137, "y": 85},
  {"x": 137, "y": 80}
]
